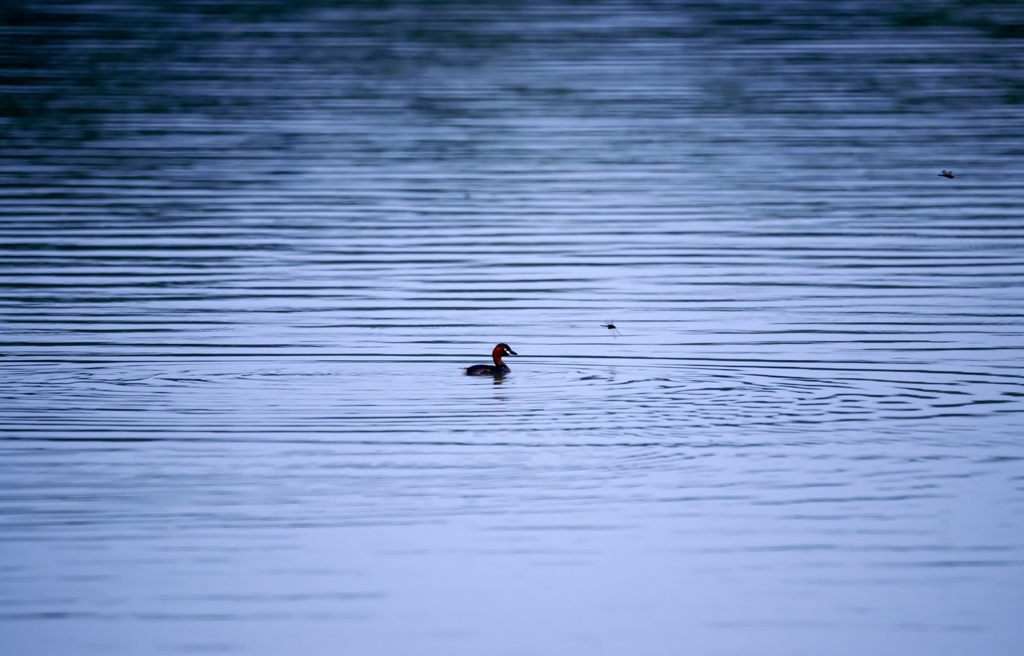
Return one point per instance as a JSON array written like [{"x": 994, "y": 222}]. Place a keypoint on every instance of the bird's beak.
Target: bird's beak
[{"x": 509, "y": 351}]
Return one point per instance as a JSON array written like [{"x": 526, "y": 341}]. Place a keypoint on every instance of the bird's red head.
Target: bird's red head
[{"x": 500, "y": 350}]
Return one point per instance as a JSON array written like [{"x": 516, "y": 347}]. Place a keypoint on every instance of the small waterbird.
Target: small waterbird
[
  {"x": 947, "y": 174},
  {"x": 611, "y": 326},
  {"x": 498, "y": 368}
]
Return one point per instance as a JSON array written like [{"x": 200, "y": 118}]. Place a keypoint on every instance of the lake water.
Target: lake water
[{"x": 246, "y": 251}]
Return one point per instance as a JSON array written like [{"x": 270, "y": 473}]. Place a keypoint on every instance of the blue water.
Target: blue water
[{"x": 245, "y": 252}]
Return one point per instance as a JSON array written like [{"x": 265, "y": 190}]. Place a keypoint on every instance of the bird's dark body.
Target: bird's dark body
[{"x": 487, "y": 370}]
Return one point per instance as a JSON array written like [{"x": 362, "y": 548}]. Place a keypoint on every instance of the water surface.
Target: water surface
[{"x": 246, "y": 252}]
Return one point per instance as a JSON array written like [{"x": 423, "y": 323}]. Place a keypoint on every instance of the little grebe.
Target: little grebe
[{"x": 498, "y": 368}]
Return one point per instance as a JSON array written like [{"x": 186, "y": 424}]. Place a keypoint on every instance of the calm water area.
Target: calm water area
[{"x": 246, "y": 250}]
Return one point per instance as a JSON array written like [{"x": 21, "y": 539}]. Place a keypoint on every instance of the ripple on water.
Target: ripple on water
[{"x": 653, "y": 400}]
